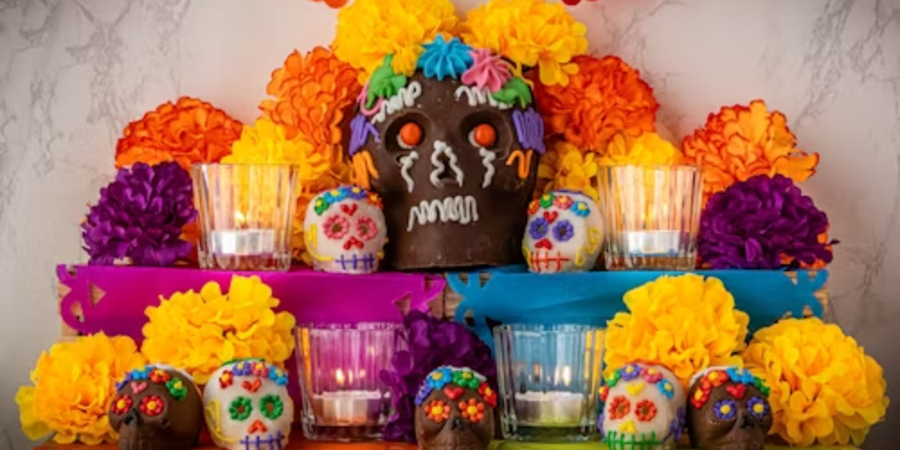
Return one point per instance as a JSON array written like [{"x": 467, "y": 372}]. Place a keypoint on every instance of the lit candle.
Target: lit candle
[
  {"x": 242, "y": 241},
  {"x": 342, "y": 408},
  {"x": 549, "y": 409}
]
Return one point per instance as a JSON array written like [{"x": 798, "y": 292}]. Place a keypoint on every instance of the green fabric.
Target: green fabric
[{"x": 503, "y": 445}]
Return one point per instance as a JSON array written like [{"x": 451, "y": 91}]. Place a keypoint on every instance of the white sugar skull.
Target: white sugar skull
[
  {"x": 345, "y": 231},
  {"x": 247, "y": 406},
  {"x": 563, "y": 233},
  {"x": 643, "y": 408}
]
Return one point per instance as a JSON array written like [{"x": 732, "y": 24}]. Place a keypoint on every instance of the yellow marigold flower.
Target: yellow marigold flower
[
  {"x": 825, "y": 388},
  {"x": 73, "y": 385},
  {"x": 198, "y": 332},
  {"x": 648, "y": 149},
  {"x": 686, "y": 323},
  {"x": 529, "y": 33},
  {"x": 564, "y": 166},
  {"x": 369, "y": 30}
]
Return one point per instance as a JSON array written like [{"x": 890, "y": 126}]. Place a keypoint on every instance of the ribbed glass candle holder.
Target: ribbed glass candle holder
[
  {"x": 246, "y": 215},
  {"x": 651, "y": 215},
  {"x": 339, "y": 368},
  {"x": 549, "y": 378}
]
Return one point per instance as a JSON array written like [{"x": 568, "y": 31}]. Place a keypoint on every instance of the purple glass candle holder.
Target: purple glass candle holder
[{"x": 339, "y": 368}]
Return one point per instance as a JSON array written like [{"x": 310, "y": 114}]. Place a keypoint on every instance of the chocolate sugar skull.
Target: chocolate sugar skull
[
  {"x": 728, "y": 409},
  {"x": 156, "y": 408},
  {"x": 247, "y": 406},
  {"x": 643, "y": 408},
  {"x": 453, "y": 150},
  {"x": 455, "y": 409},
  {"x": 563, "y": 233},
  {"x": 345, "y": 231}
]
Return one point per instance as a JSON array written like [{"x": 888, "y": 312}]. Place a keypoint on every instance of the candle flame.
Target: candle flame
[
  {"x": 239, "y": 219},
  {"x": 339, "y": 377},
  {"x": 567, "y": 375}
]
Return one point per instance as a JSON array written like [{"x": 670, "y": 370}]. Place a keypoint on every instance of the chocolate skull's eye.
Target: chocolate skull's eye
[
  {"x": 336, "y": 227},
  {"x": 619, "y": 407},
  {"x": 645, "y": 411},
  {"x": 410, "y": 135},
  {"x": 563, "y": 231},
  {"x": 271, "y": 406},
  {"x": 366, "y": 228},
  {"x": 483, "y": 135},
  {"x": 240, "y": 408},
  {"x": 438, "y": 411},
  {"x": 121, "y": 404},
  {"x": 758, "y": 407},
  {"x": 473, "y": 410},
  {"x": 725, "y": 409},
  {"x": 152, "y": 405}
]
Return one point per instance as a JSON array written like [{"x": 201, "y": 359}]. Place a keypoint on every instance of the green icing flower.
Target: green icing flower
[
  {"x": 546, "y": 200},
  {"x": 384, "y": 82},
  {"x": 240, "y": 408},
  {"x": 271, "y": 406},
  {"x": 176, "y": 388},
  {"x": 515, "y": 90},
  {"x": 465, "y": 379},
  {"x": 613, "y": 379}
]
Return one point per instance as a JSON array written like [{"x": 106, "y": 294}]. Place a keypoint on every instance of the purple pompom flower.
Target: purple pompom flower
[
  {"x": 762, "y": 223},
  {"x": 140, "y": 216},
  {"x": 431, "y": 343}
]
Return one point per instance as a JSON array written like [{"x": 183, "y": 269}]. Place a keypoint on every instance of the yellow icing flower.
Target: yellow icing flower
[
  {"x": 529, "y": 33},
  {"x": 369, "y": 30},
  {"x": 648, "y": 149},
  {"x": 824, "y": 388},
  {"x": 198, "y": 332},
  {"x": 564, "y": 166},
  {"x": 686, "y": 323},
  {"x": 73, "y": 385}
]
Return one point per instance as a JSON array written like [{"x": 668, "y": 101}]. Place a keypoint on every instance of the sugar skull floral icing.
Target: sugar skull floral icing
[
  {"x": 643, "y": 407},
  {"x": 564, "y": 233},
  {"x": 345, "y": 231},
  {"x": 455, "y": 408},
  {"x": 728, "y": 408},
  {"x": 247, "y": 406}
]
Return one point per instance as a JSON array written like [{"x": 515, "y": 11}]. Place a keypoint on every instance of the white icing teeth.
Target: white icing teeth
[{"x": 459, "y": 209}]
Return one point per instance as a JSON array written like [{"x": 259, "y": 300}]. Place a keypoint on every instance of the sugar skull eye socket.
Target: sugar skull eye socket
[
  {"x": 438, "y": 411},
  {"x": 271, "y": 406},
  {"x": 484, "y": 135},
  {"x": 758, "y": 407},
  {"x": 619, "y": 407},
  {"x": 563, "y": 231},
  {"x": 645, "y": 411},
  {"x": 538, "y": 228},
  {"x": 725, "y": 409},
  {"x": 240, "y": 408},
  {"x": 152, "y": 405},
  {"x": 366, "y": 228},
  {"x": 336, "y": 227},
  {"x": 473, "y": 410},
  {"x": 410, "y": 135},
  {"x": 121, "y": 404}
]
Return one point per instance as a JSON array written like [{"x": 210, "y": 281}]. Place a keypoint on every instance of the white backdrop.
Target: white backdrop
[{"x": 74, "y": 72}]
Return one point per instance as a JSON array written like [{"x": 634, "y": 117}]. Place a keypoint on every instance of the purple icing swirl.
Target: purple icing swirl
[
  {"x": 530, "y": 129},
  {"x": 360, "y": 129}
]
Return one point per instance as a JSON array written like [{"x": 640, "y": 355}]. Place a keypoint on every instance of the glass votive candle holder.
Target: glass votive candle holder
[
  {"x": 339, "y": 367},
  {"x": 549, "y": 378},
  {"x": 651, "y": 215},
  {"x": 246, "y": 214}
]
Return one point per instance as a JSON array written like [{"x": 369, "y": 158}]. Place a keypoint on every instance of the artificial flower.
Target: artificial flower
[
  {"x": 432, "y": 343},
  {"x": 824, "y": 388},
  {"x": 198, "y": 332},
  {"x": 488, "y": 71},
  {"x": 565, "y": 167},
  {"x": 744, "y": 141},
  {"x": 762, "y": 223},
  {"x": 187, "y": 132},
  {"x": 606, "y": 97},
  {"x": 140, "y": 217},
  {"x": 369, "y": 30},
  {"x": 648, "y": 149},
  {"x": 685, "y": 323},
  {"x": 74, "y": 385},
  {"x": 530, "y": 33}
]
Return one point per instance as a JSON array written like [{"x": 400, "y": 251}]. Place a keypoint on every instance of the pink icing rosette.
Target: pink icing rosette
[{"x": 488, "y": 70}]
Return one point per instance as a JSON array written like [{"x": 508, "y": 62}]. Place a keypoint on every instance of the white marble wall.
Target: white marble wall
[{"x": 74, "y": 72}]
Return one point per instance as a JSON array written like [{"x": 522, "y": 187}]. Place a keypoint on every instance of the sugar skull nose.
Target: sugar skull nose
[
  {"x": 746, "y": 422},
  {"x": 353, "y": 242},
  {"x": 456, "y": 424},
  {"x": 257, "y": 427},
  {"x": 133, "y": 417}
]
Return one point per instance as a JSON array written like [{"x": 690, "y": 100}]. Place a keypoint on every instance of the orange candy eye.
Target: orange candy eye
[
  {"x": 410, "y": 135},
  {"x": 483, "y": 135}
]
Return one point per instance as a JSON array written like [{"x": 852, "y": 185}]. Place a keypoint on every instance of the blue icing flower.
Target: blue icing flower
[
  {"x": 630, "y": 372},
  {"x": 440, "y": 377},
  {"x": 740, "y": 376},
  {"x": 581, "y": 209},
  {"x": 666, "y": 388},
  {"x": 443, "y": 59},
  {"x": 530, "y": 130},
  {"x": 676, "y": 428},
  {"x": 124, "y": 382},
  {"x": 538, "y": 228},
  {"x": 279, "y": 376},
  {"x": 423, "y": 393},
  {"x": 563, "y": 231},
  {"x": 140, "y": 374},
  {"x": 354, "y": 192},
  {"x": 600, "y": 425},
  {"x": 725, "y": 409}
]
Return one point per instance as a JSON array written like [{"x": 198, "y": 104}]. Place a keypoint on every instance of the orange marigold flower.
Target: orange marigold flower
[
  {"x": 743, "y": 141},
  {"x": 605, "y": 97},
  {"x": 188, "y": 131}
]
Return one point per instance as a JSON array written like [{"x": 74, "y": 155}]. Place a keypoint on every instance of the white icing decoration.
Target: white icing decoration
[
  {"x": 487, "y": 160},
  {"x": 406, "y": 163},
  {"x": 441, "y": 148},
  {"x": 405, "y": 98},
  {"x": 479, "y": 96},
  {"x": 451, "y": 209}
]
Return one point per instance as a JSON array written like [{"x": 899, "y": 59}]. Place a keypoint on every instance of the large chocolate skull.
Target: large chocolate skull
[
  {"x": 455, "y": 168},
  {"x": 156, "y": 408},
  {"x": 563, "y": 233},
  {"x": 728, "y": 410},
  {"x": 345, "y": 231},
  {"x": 455, "y": 410},
  {"x": 643, "y": 408}
]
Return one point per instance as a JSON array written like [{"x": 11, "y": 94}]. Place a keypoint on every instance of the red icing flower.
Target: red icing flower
[
  {"x": 437, "y": 411},
  {"x": 336, "y": 227},
  {"x": 604, "y": 393},
  {"x": 367, "y": 228},
  {"x": 473, "y": 411},
  {"x": 489, "y": 395},
  {"x": 700, "y": 397},
  {"x": 152, "y": 405},
  {"x": 533, "y": 206},
  {"x": 619, "y": 408},
  {"x": 651, "y": 375},
  {"x": 226, "y": 379},
  {"x": 260, "y": 369},
  {"x": 121, "y": 404},
  {"x": 563, "y": 201},
  {"x": 715, "y": 378},
  {"x": 645, "y": 411},
  {"x": 374, "y": 199},
  {"x": 159, "y": 376}
]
